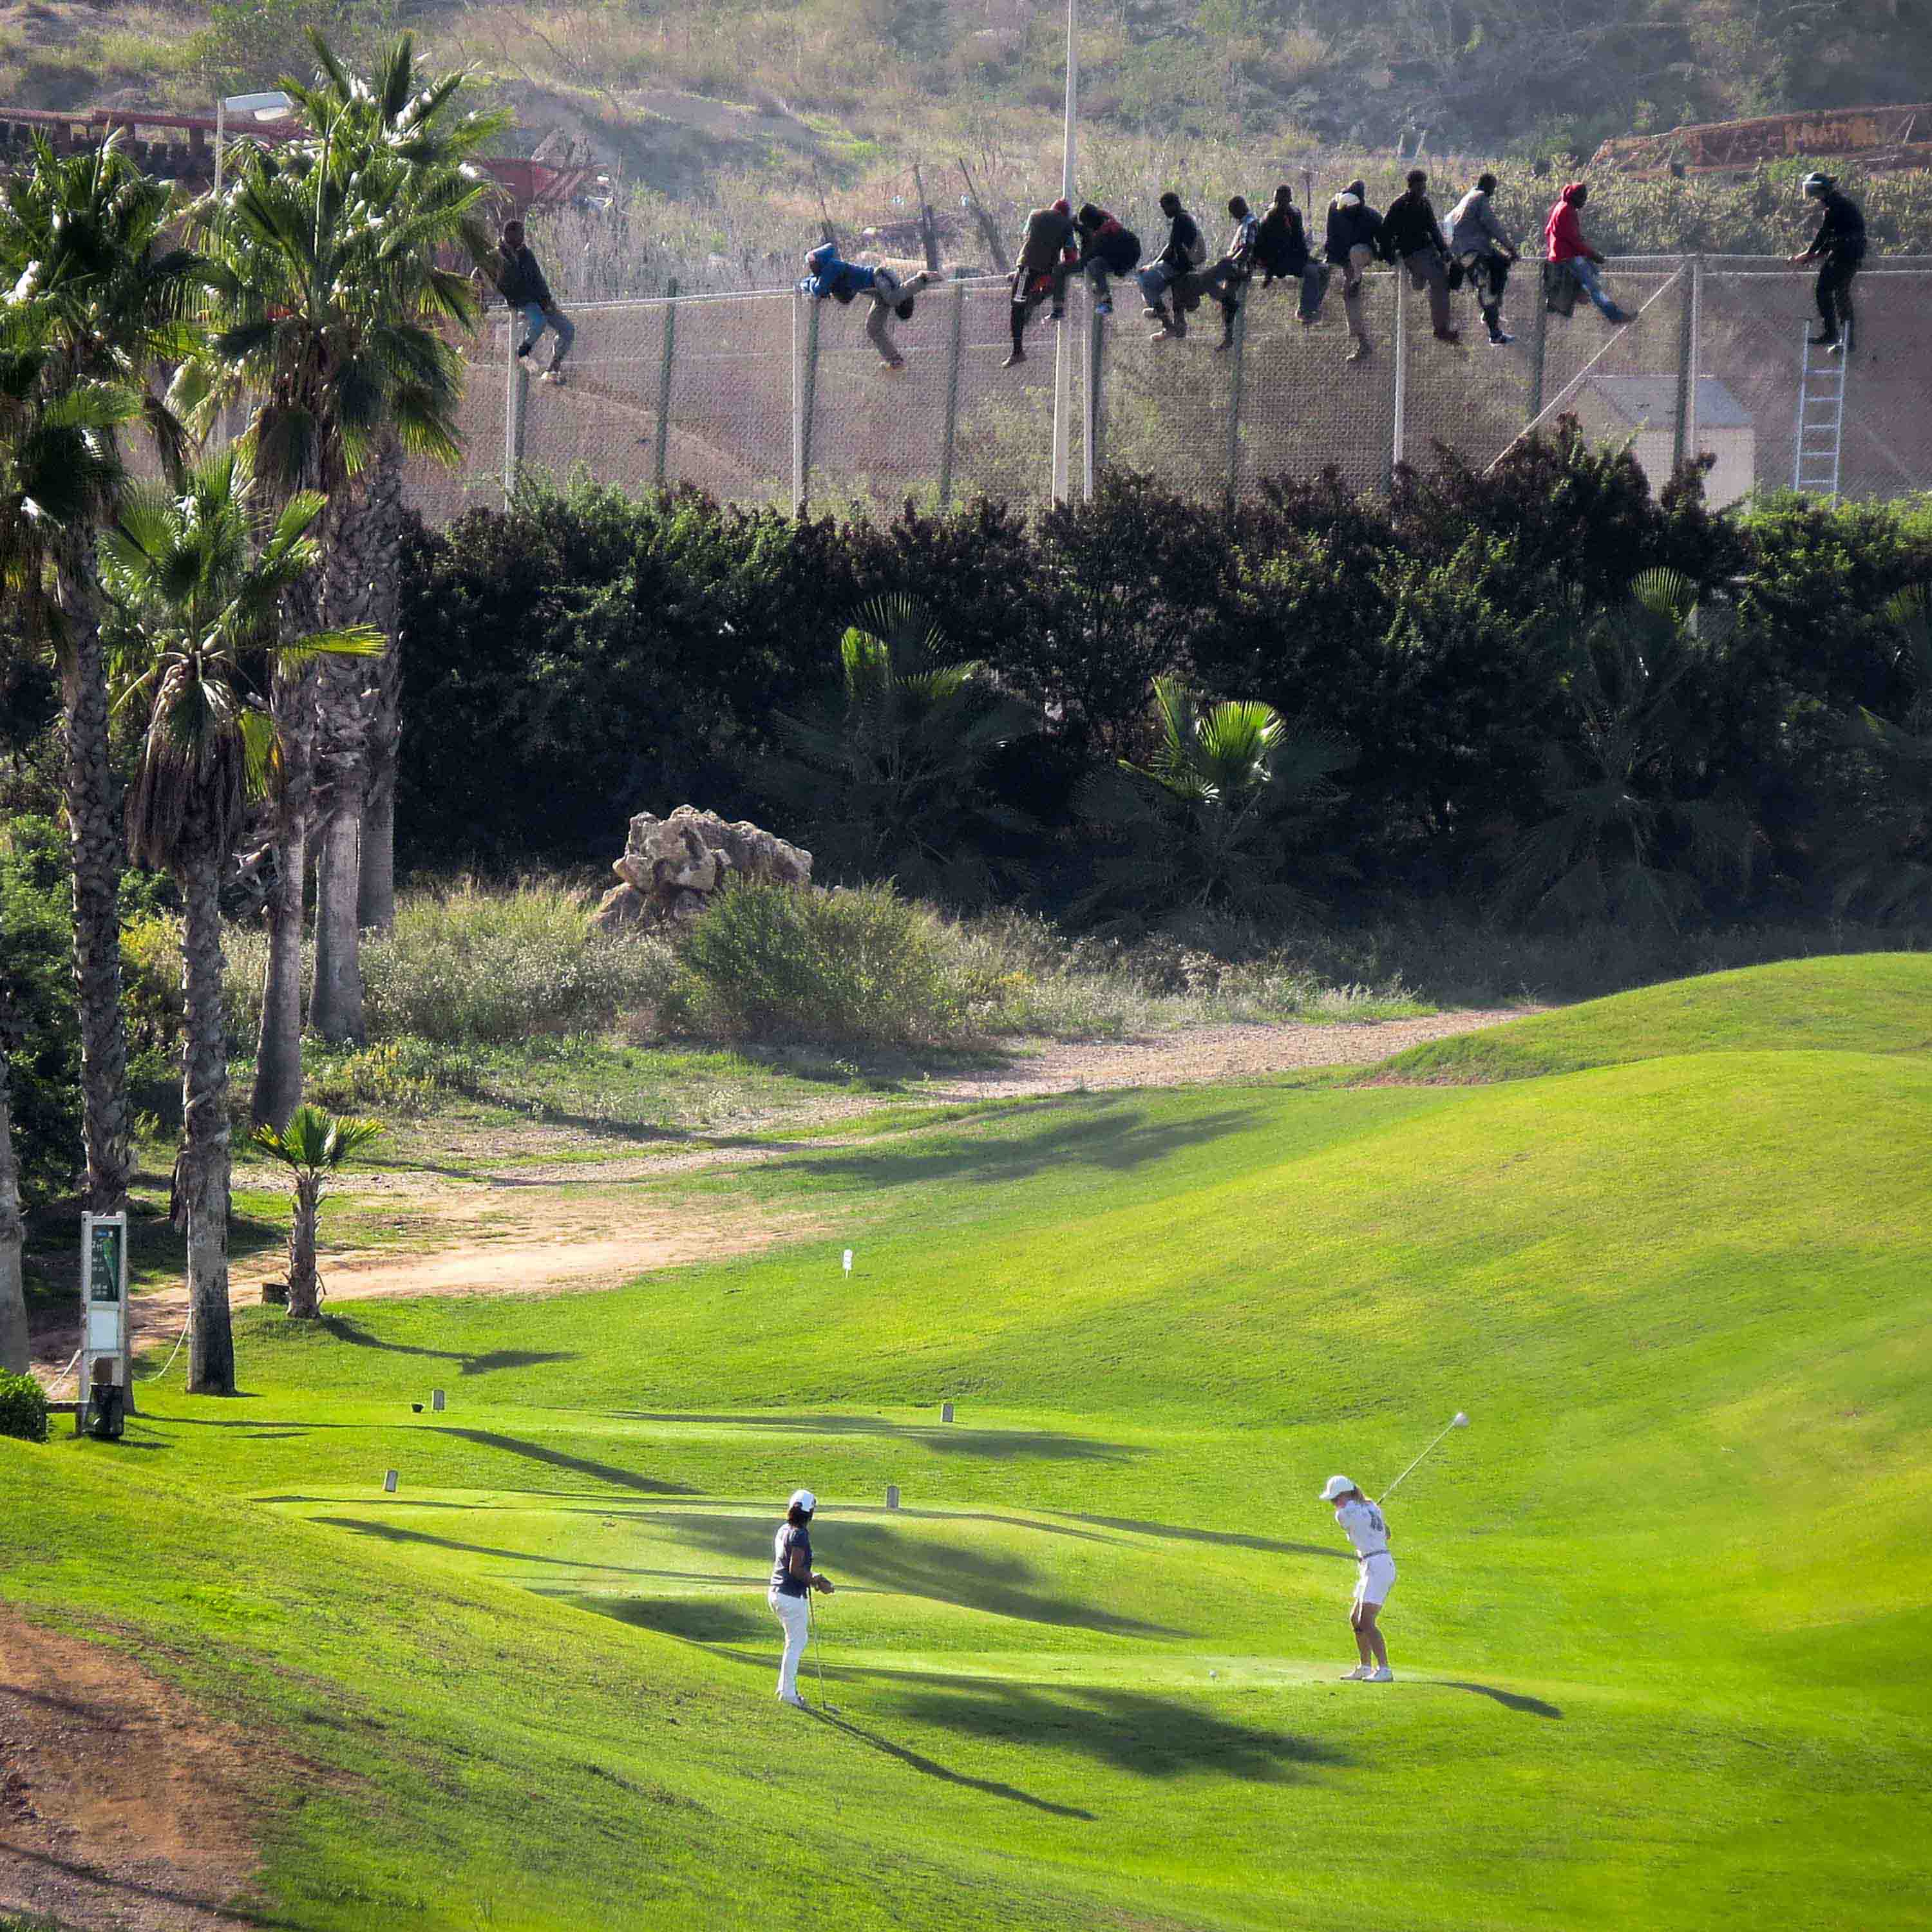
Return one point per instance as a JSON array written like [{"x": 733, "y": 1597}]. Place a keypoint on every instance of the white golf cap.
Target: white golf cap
[
  {"x": 803, "y": 1499},
  {"x": 1336, "y": 1486}
]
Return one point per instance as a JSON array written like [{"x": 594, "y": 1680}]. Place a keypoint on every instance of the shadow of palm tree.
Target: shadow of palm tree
[
  {"x": 945, "y": 1437},
  {"x": 932, "y": 1767},
  {"x": 1510, "y": 1700},
  {"x": 557, "y": 1459},
  {"x": 1229, "y": 1538},
  {"x": 345, "y": 1330}
]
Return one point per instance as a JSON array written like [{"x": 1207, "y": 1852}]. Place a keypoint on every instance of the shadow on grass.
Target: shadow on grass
[
  {"x": 1510, "y": 1700},
  {"x": 395, "y": 1532},
  {"x": 344, "y": 1330},
  {"x": 1046, "y": 1444},
  {"x": 1158, "y": 1737},
  {"x": 1229, "y": 1538},
  {"x": 931, "y": 1768},
  {"x": 134, "y": 1888},
  {"x": 556, "y": 1459},
  {"x": 694, "y": 1619},
  {"x": 874, "y": 1556},
  {"x": 1114, "y": 1135}
]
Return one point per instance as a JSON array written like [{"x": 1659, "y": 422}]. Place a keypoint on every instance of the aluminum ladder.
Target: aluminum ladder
[{"x": 1821, "y": 417}]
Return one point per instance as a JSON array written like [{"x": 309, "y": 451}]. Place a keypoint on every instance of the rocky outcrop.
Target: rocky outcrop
[{"x": 673, "y": 867}]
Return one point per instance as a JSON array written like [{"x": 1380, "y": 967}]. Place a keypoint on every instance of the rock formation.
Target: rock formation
[{"x": 673, "y": 867}]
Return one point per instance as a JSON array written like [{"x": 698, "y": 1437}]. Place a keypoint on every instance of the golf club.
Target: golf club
[
  {"x": 1458, "y": 1420},
  {"x": 817, "y": 1660}
]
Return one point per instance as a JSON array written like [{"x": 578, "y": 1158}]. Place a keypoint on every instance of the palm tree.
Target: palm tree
[
  {"x": 312, "y": 1146},
  {"x": 198, "y": 583},
  {"x": 1883, "y": 861},
  {"x": 888, "y": 776},
  {"x": 336, "y": 305},
  {"x": 1620, "y": 844},
  {"x": 88, "y": 236},
  {"x": 13, "y": 1347},
  {"x": 1217, "y": 819}
]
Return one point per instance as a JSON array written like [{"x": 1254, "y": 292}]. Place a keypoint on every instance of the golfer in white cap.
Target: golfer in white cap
[
  {"x": 1362, "y": 1524},
  {"x": 793, "y": 1581}
]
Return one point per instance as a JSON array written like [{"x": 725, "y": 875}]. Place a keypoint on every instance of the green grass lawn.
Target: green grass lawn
[{"x": 1663, "y": 1610}]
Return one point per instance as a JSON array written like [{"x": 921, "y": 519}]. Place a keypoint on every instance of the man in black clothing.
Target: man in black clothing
[
  {"x": 1106, "y": 248},
  {"x": 1281, "y": 249},
  {"x": 520, "y": 282},
  {"x": 1412, "y": 239},
  {"x": 1046, "y": 256},
  {"x": 1354, "y": 240},
  {"x": 1838, "y": 247},
  {"x": 1186, "y": 250}
]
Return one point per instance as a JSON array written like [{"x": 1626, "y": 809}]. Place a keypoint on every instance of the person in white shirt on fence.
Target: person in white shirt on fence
[{"x": 1361, "y": 1523}]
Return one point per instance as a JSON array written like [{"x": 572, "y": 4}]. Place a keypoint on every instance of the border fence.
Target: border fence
[{"x": 769, "y": 397}]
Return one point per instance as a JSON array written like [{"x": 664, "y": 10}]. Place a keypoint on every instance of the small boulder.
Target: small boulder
[{"x": 672, "y": 867}]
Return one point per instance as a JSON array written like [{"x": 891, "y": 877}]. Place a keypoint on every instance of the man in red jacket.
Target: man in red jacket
[{"x": 1563, "y": 242}]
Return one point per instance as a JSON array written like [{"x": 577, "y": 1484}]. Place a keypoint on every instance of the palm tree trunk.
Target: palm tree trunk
[
  {"x": 305, "y": 1283},
  {"x": 377, "y": 911},
  {"x": 14, "y": 1354},
  {"x": 94, "y": 843},
  {"x": 278, "y": 1068},
  {"x": 376, "y": 905},
  {"x": 335, "y": 1005},
  {"x": 203, "y": 1172}
]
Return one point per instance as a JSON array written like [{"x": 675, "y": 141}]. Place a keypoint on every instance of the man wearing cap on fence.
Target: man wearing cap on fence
[
  {"x": 1354, "y": 238},
  {"x": 793, "y": 1579},
  {"x": 520, "y": 281},
  {"x": 1047, "y": 253},
  {"x": 1838, "y": 247},
  {"x": 890, "y": 293}
]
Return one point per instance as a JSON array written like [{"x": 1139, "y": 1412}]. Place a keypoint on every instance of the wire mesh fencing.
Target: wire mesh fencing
[{"x": 769, "y": 397}]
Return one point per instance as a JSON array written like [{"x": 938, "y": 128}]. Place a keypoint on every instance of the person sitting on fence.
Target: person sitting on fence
[
  {"x": 1838, "y": 247},
  {"x": 519, "y": 281},
  {"x": 1354, "y": 240},
  {"x": 1106, "y": 248},
  {"x": 889, "y": 293},
  {"x": 1229, "y": 276},
  {"x": 1047, "y": 254},
  {"x": 1571, "y": 259},
  {"x": 1412, "y": 239},
  {"x": 1281, "y": 253},
  {"x": 1187, "y": 249},
  {"x": 1482, "y": 250}
]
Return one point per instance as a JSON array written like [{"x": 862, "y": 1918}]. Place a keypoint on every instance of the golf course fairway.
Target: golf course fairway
[{"x": 1664, "y": 1610}]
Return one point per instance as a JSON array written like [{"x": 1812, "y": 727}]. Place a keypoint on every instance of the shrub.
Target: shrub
[
  {"x": 37, "y": 1022},
  {"x": 151, "y": 981},
  {"x": 861, "y": 965},
  {"x": 400, "y": 1076},
  {"x": 23, "y": 1407}
]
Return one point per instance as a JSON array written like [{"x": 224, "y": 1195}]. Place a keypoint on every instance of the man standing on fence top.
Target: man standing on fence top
[
  {"x": 1412, "y": 239},
  {"x": 1355, "y": 240},
  {"x": 1046, "y": 254},
  {"x": 1838, "y": 247},
  {"x": 519, "y": 281},
  {"x": 1569, "y": 254}
]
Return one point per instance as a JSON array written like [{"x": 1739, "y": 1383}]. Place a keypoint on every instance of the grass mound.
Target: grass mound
[
  {"x": 1661, "y": 1611},
  {"x": 1869, "y": 1003}
]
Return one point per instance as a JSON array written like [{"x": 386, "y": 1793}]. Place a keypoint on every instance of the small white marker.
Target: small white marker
[
  {"x": 892, "y": 1495},
  {"x": 437, "y": 1400},
  {"x": 945, "y": 1412},
  {"x": 388, "y": 1482},
  {"x": 848, "y": 1260}
]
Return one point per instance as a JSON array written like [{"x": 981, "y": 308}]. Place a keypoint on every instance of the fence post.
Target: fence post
[
  {"x": 1401, "y": 373},
  {"x": 804, "y": 389},
  {"x": 952, "y": 395},
  {"x": 1091, "y": 410},
  {"x": 1683, "y": 429},
  {"x": 516, "y": 396},
  {"x": 1538, "y": 346},
  {"x": 661, "y": 456},
  {"x": 1696, "y": 333},
  {"x": 1234, "y": 404}
]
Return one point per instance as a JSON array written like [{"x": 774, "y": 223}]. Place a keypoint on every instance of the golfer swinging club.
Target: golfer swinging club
[
  {"x": 793, "y": 1581},
  {"x": 1362, "y": 1524}
]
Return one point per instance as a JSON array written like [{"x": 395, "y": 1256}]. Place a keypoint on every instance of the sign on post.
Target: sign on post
[{"x": 103, "y": 1300}]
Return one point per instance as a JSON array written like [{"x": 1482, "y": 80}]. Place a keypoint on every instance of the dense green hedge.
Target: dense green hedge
[
  {"x": 23, "y": 1407},
  {"x": 582, "y": 657}
]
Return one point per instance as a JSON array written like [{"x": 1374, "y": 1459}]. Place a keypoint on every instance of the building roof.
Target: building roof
[{"x": 1645, "y": 401}]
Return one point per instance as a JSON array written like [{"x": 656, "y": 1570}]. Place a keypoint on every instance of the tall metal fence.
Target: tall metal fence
[{"x": 769, "y": 397}]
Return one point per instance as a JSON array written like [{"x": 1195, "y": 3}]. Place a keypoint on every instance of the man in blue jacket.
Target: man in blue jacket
[{"x": 888, "y": 293}]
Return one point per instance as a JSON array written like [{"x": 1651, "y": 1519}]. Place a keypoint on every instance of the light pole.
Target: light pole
[
  {"x": 1063, "y": 352},
  {"x": 270, "y": 105}
]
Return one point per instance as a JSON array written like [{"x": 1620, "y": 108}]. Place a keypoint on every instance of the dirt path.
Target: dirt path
[
  {"x": 524, "y": 1226},
  {"x": 120, "y": 1805}
]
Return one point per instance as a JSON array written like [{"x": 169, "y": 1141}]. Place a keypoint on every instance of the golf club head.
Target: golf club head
[{"x": 1461, "y": 1421}]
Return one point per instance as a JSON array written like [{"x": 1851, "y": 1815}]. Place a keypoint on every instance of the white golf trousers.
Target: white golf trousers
[{"x": 793, "y": 1614}]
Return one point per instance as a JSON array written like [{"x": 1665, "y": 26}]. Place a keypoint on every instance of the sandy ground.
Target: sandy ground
[
  {"x": 120, "y": 1804},
  {"x": 515, "y": 1229}
]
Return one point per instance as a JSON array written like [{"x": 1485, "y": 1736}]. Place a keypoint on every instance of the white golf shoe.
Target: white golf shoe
[
  {"x": 1355, "y": 1676},
  {"x": 797, "y": 1703},
  {"x": 1383, "y": 1675}
]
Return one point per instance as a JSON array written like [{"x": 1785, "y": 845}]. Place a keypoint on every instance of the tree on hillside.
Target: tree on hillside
[
  {"x": 84, "y": 241},
  {"x": 200, "y": 581},
  {"x": 1624, "y": 841},
  {"x": 335, "y": 310},
  {"x": 1216, "y": 822}
]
